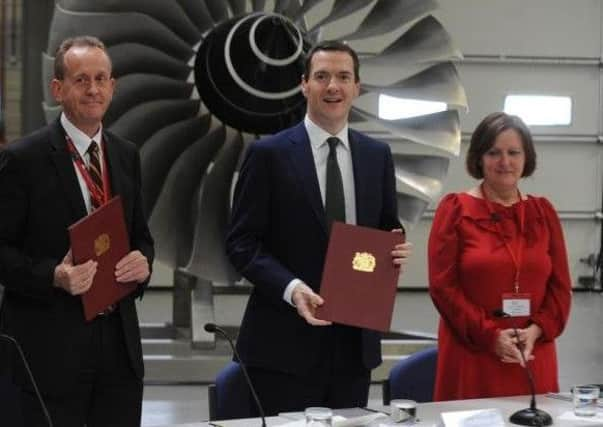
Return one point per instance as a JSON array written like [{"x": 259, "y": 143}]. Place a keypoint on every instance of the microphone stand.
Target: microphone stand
[
  {"x": 213, "y": 328},
  {"x": 531, "y": 416},
  {"x": 30, "y": 375}
]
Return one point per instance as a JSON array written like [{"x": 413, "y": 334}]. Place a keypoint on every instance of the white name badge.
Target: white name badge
[{"x": 516, "y": 304}]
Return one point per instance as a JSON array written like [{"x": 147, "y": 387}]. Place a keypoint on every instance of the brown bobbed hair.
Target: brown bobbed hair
[{"x": 484, "y": 136}]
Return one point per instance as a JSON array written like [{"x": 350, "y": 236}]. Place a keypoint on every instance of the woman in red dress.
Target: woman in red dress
[{"x": 497, "y": 260}]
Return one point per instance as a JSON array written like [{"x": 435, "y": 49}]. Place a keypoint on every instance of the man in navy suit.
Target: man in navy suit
[
  {"x": 89, "y": 373},
  {"x": 291, "y": 187}
]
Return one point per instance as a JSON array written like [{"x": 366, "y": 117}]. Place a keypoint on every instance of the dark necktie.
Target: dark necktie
[
  {"x": 334, "y": 197},
  {"x": 94, "y": 170}
]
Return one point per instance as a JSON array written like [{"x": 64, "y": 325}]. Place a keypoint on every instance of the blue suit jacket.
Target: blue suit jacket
[{"x": 278, "y": 232}]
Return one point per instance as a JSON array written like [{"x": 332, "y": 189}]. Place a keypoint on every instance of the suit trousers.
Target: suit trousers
[
  {"x": 107, "y": 393},
  {"x": 339, "y": 379}
]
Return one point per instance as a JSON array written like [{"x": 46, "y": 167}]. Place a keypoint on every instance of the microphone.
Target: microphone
[
  {"x": 212, "y": 328},
  {"x": 29, "y": 374},
  {"x": 531, "y": 416},
  {"x": 495, "y": 217}
]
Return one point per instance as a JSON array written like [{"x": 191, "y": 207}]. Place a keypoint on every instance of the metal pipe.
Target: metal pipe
[
  {"x": 563, "y": 215},
  {"x": 466, "y": 136},
  {"x": 518, "y": 59},
  {"x": 2, "y": 58},
  {"x": 570, "y": 138},
  {"x": 598, "y": 267},
  {"x": 13, "y": 35}
]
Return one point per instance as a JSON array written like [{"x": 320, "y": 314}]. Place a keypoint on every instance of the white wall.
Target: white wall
[
  {"x": 543, "y": 28},
  {"x": 538, "y": 47}
]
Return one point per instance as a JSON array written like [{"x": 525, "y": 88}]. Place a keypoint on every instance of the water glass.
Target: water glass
[
  {"x": 586, "y": 398},
  {"x": 319, "y": 417},
  {"x": 403, "y": 410}
]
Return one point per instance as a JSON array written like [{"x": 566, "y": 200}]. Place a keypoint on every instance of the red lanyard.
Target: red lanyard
[
  {"x": 515, "y": 257},
  {"x": 95, "y": 192}
]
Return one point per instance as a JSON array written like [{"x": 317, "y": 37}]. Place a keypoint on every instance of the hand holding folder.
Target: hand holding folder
[
  {"x": 359, "y": 278},
  {"x": 102, "y": 236}
]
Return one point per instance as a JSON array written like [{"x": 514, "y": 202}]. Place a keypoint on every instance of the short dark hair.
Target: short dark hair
[
  {"x": 331, "y": 46},
  {"x": 78, "y": 41},
  {"x": 484, "y": 136}
]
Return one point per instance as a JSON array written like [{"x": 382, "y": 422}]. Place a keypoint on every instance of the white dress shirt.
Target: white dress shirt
[{"x": 320, "y": 152}]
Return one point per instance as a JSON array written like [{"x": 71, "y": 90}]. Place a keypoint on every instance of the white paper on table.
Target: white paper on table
[
  {"x": 360, "y": 421},
  {"x": 476, "y": 418},
  {"x": 588, "y": 421},
  {"x": 339, "y": 421},
  {"x": 302, "y": 423}
]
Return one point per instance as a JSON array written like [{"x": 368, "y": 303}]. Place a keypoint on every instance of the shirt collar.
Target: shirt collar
[
  {"x": 318, "y": 136},
  {"x": 79, "y": 138}
]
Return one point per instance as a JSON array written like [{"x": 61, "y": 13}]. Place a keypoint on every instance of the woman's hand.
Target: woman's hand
[
  {"x": 506, "y": 347},
  {"x": 528, "y": 338}
]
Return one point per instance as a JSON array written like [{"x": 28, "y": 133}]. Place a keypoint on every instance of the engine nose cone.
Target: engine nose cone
[{"x": 248, "y": 72}]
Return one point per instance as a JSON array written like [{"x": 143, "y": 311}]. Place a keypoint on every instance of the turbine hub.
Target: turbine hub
[{"x": 248, "y": 71}]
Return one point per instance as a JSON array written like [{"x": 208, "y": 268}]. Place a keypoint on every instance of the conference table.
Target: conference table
[{"x": 429, "y": 413}]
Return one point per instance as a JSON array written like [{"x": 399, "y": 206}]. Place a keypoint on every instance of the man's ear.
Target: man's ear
[
  {"x": 113, "y": 84},
  {"x": 304, "y": 85},
  {"x": 55, "y": 88}
]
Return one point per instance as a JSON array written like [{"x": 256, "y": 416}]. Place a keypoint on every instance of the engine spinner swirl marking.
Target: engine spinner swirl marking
[{"x": 239, "y": 81}]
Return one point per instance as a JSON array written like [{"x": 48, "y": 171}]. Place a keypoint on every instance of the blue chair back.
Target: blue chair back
[
  {"x": 10, "y": 403},
  {"x": 229, "y": 397},
  {"x": 414, "y": 377}
]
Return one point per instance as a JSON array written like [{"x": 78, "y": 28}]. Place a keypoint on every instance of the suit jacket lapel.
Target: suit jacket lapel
[
  {"x": 65, "y": 170},
  {"x": 117, "y": 165},
  {"x": 362, "y": 187},
  {"x": 302, "y": 161},
  {"x": 113, "y": 164}
]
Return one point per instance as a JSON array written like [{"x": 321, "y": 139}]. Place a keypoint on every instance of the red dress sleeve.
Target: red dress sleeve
[
  {"x": 469, "y": 322},
  {"x": 553, "y": 313}
]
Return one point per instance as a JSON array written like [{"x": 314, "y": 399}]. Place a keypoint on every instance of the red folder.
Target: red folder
[
  {"x": 359, "y": 279},
  {"x": 102, "y": 236}
]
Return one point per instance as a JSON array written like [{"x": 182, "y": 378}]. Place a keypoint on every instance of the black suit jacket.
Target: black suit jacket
[
  {"x": 39, "y": 198},
  {"x": 278, "y": 233}
]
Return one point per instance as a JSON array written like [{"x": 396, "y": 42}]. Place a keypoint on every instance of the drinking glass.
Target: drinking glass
[
  {"x": 585, "y": 400},
  {"x": 319, "y": 417},
  {"x": 403, "y": 410}
]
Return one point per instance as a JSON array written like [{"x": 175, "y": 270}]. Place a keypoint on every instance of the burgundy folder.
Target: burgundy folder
[
  {"x": 102, "y": 236},
  {"x": 359, "y": 279}
]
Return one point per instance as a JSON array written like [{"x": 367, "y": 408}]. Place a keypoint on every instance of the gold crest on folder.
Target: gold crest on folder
[
  {"x": 102, "y": 244},
  {"x": 364, "y": 261}
]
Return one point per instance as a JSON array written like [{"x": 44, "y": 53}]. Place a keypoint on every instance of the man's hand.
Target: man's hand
[
  {"x": 401, "y": 252},
  {"x": 306, "y": 301},
  {"x": 74, "y": 279},
  {"x": 134, "y": 267}
]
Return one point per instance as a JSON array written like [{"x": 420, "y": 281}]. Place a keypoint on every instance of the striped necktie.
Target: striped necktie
[{"x": 94, "y": 170}]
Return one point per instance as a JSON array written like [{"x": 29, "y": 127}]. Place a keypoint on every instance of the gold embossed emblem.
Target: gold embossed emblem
[
  {"x": 102, "y": 244},
  {"x": 364, "y": 261}
]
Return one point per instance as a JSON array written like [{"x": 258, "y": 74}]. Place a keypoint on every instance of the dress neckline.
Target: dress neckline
[{"x": 524, "y": 198}]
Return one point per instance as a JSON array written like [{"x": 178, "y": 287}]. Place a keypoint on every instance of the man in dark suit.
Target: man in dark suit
[
  {"x": 89, "y": 373},
  {"x": 291, "y": 187}
]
